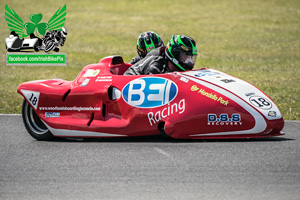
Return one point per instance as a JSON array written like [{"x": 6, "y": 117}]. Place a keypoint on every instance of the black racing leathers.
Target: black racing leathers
[
  {"x": 155, "y": 62},
  {"x": 135, "y": 60}
]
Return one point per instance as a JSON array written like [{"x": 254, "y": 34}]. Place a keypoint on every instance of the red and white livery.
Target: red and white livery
[{"x": 101, "y": 102}]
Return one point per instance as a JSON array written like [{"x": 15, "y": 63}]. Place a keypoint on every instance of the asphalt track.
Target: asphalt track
[{"x": 148, "y": 167}]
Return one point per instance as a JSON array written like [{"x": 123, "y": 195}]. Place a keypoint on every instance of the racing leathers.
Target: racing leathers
[
  {"x": 135, "y": 60},
  {"x": 54, "y": 36},
  {"x": 155, "y": 62}
]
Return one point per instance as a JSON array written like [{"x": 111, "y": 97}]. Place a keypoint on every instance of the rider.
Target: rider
[
  {"x": 146, "y": 42},
  {"x": 58, "y": 35},
  {"x": 179, "y": 55}
]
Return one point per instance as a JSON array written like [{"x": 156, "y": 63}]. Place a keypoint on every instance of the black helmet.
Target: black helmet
[
  {"x": 148, "y": 41},
  {"x": 182, "y": 52}
]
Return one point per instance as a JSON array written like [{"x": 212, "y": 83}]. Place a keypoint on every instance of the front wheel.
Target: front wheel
[
  {"x": 34, "y": 125},
  {"x": 49, "y": 46}
]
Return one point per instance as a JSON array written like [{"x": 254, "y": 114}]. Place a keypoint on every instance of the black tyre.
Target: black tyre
[
  {"x": 36, "y": 48},
  {"x": 49, "y": 46},
  {"x": 34, "y": 125}
]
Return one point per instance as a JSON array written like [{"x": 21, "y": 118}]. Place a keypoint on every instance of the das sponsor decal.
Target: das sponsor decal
[
  {"x": 224, "y": 119},
  {"x": 149, "y": 92}
]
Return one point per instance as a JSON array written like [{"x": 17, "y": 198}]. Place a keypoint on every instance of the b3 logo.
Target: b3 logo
[{"x": 149, "y": 92}]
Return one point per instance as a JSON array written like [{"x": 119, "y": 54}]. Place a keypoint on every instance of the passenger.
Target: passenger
[
  {"x": 179, "y": 55},
  {"x": 146, "y": 42}
]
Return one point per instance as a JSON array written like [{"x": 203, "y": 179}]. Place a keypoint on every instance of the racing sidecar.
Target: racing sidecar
[
  {"x": 101, "y": 102},
  {"x": 14, "y": 43}
]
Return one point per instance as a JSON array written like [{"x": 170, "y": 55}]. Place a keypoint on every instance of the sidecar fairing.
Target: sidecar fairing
[
  {"x": 101, "y": 102},
  {"x": 14, "y": 43}
]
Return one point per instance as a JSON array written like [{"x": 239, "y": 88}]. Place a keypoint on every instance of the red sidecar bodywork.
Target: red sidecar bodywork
[{"x": 196, "y": 104}]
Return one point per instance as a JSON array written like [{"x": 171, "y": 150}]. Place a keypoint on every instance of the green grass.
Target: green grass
[{"x": 257, "y": 41}]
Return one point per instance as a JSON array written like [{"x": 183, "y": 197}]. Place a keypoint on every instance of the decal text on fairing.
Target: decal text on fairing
[
  {"x": 52, "y": 114},
  {"x": 260, "y": 102},
  {"x": 212, "y": 96},
  {"x": 32, "y": 97},
  {"x": 149, "y": 92},
  {"x": 167, "y": 111},
  {"x": 224, "y": 119},
  {"x": 73, "y": 108}
]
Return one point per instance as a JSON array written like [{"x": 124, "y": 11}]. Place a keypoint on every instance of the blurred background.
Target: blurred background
[{"x": 257, "y": 41}]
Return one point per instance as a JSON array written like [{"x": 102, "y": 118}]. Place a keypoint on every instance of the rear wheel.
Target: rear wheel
[{"x": 34, "y": 125}]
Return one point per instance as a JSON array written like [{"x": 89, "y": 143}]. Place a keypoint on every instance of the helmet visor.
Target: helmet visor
[{"x": 187, "y": 59}]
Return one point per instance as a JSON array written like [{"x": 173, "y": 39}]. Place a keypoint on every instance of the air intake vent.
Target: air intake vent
[
  {"x": 66, "y": 94},
  {"x": 92, "y": 118}
]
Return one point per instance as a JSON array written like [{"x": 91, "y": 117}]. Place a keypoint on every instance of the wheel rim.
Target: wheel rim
[{"x": 33, "y": 121}]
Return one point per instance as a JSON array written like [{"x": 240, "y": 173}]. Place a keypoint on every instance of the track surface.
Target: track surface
[{"x": 148, "y": 167}]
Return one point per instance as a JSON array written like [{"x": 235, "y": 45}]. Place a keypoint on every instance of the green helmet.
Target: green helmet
[
  {"x": 182, "y": 52},
  {"x": 148, "y": 41}
]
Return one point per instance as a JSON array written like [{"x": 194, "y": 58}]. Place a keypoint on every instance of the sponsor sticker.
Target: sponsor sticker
[
  {"x": 150, "y": 48},
  {"x": 224, "y": 119},
  {"x": 72, "y": 108},
  {"x": 184, "y": 79},
  {"x": 227, "y": 80},
  {"x": 212, "y": 96},
  {"x": 52, "y": 114},
  {"x": 249, "y": 94},
  {"x": 206, "y": 73},
  {"x": 149, "y": 92},
  {"x": 272, "y": 114},
  {"x": 91, "y": 73},
  {"x": 104, "y": 79},
  {"x": 85, "y": 82},
  {"x": 184, "y": 48}
]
